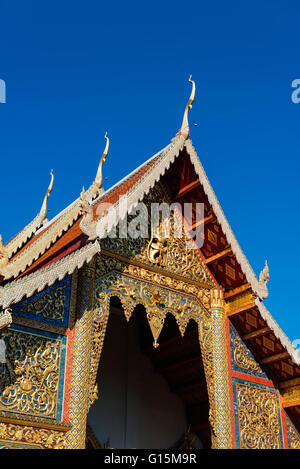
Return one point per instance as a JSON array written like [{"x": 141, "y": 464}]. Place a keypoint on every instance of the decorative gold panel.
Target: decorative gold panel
[
  {"x": 294, "y": 439},
  {"x": 243, "y": 359},
  {"x": 29, "y": 379},
  {"x": 239, "y": 301},
  {"x": 258, "y": 417},
  {"x": 17, "y": 436}
]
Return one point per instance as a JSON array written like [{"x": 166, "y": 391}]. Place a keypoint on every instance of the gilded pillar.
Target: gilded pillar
[
  {"x": 75, "y": 438},
  {"x": 222, "y": 422}
]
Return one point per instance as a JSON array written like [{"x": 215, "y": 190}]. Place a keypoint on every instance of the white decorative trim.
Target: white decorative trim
[
  {"x": 278, "y": 332},
  {"x": 20, "y": 239},
  {"x": 37, "y": 281},
  {"x": 37, "y": 248}
]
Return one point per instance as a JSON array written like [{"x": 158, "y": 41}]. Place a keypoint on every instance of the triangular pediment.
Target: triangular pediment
[{"x": 165, "y": 246}]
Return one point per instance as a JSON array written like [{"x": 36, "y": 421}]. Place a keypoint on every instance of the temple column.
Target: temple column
[
  {"x": 79, "y": 395},
  {"x": 222, "y": 419}
]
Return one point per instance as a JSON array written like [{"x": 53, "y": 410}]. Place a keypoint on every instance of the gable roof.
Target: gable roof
[{"x": 67, "y": 241}]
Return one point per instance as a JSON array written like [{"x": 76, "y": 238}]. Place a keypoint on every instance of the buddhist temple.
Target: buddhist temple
[{"x": 111, "y": 339}]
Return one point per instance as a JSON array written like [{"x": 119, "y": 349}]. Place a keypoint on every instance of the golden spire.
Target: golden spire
[
  {"x": 43, "y": 211},
  {"x": 185, "y": 131},
  {"x": 99, "y": 177}
]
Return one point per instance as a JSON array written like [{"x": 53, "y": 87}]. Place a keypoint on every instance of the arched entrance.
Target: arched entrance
[
  {"x": 171, "y": 314},
  {"x": 150, "y": 397}
]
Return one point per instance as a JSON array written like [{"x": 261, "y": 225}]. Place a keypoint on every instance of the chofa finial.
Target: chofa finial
[
  {"x": 44, "y": 208},
  {"x": 3, "y": 254},
  {"x": 185, "y": 131},
  {"x": 99, "y": 177}
]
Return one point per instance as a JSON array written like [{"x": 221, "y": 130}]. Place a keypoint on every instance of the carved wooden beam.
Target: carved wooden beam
[
  {"x": 289, "y": 383},
  {"x": 237, "y": 291},
  {"x": 291, "y": 404},
  {"x": 185, "y": 190},
  {"x": 275, "y": 358},
  {"x": 218, "y": 256},
  {"x": 204, "y": 221},
  {"x": 241, "y": 309},
  {"x": 257, "y": 333}
]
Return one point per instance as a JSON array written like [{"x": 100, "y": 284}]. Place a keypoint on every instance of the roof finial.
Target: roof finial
[
  {"x": 185, "y": 131},
  {"x": 99, "y": 177},
  {"x": 49, "y": 190},
  {"x": 3, "y": 254}
]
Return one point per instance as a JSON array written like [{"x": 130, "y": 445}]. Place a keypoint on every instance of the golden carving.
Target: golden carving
[
  {"x": 217, "y": 298},
  {"x": 29, "y": 378},
  {"x": 127, "y": 286},
  {"x": 222, "y": 421},
  {"x": 156, "y": 323},
  {"x": 258, "y": 418},
  {"x": 239, "y": 301},
  {"x": 51, "y": 306},
  {"x": 291, "y": 394},
  {"x": 157, "y": 251},
  {"x": 173, "y": 253},
  {"x": 243, "y": 359},
  {"x": 99, "y": 329},
  {"x": 17, "y": 433},
  {"x": 75, "y": 438},
  {"x": 294, "y": 437}
]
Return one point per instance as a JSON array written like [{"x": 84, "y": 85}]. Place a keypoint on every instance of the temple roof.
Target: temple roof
[
  {"x": 63, "y": 244},
  {"x": 46, "y": 251}
]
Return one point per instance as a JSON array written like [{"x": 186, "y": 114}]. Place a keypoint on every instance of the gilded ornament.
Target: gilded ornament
[
  {"x": 243, "y": 359},
  {"x": 29, "y": 378},
  {"x": 258, "y": 417},
  {"x": 185, "y": 131},
  {"x": 50, "y": 306},
  {"x": 294, "y": 438}
]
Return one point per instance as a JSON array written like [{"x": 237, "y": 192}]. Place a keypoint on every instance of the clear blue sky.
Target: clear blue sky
[{"x": 76, "y": 69}]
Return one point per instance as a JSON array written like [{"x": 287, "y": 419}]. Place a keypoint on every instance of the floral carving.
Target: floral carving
[
  {"x": 258, "y": 417},
  {"x": 243, "y": 359},
  {"x": 29, "y": 378}
]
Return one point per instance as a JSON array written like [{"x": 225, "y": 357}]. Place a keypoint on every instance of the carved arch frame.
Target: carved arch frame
[{"x": 160, "y": 295}]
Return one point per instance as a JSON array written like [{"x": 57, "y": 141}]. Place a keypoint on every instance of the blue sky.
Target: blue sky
[{"x": 74, "y": 70}]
